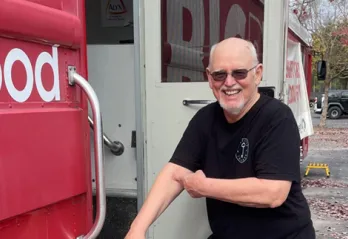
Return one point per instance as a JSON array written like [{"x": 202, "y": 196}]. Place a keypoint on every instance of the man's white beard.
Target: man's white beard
[{"x": 232, "y": 110}]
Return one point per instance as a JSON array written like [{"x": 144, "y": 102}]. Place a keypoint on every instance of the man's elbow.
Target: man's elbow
[
  {"x": 276, "y": 203},
  {"x": 277, "y": 197},
  {"x": 276, "y": 192},
  {"x": 178, "y": 173}
]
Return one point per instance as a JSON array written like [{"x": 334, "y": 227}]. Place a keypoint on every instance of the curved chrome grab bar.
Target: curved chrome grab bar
[
  {"x": 75, "y": 78},
  {"x": 116, "y": 147},
  {"x": 197, "y": 102}
]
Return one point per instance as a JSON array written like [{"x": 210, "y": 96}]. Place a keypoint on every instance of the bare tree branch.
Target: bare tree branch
[{"x": 339, "y": 73}]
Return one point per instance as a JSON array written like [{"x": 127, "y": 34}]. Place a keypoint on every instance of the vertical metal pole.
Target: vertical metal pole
[{"x": 75, "y": 78}]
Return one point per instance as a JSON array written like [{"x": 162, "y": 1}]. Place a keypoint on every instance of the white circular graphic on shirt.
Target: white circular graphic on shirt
[{"x": 242, "y": 150}]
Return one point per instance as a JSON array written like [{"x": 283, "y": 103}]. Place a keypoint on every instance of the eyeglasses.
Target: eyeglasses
[{"x": 238, "y": 74}]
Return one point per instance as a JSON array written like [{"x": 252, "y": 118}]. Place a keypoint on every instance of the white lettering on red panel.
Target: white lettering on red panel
[
  {"x": 192, "y": 27},
  {"x": 33, "y": 75}
]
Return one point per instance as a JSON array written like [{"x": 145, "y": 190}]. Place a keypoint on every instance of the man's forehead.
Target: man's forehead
[
  {"x": 232, "y": 43},
  {"x": 233, "y": 58},
  {"x": 232, "y": 49}
]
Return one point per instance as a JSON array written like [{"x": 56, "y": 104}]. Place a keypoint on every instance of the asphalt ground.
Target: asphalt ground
[{"x": 328, "y": 197}]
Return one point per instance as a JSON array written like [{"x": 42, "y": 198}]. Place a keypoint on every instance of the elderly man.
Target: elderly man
[{"x": 241, "y": 153}]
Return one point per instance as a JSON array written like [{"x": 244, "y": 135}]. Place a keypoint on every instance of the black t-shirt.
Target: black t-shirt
[{"x": 265, "y": 144}]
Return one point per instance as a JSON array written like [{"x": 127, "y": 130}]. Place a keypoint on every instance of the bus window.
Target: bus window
[{"x": 190, "y": 28}]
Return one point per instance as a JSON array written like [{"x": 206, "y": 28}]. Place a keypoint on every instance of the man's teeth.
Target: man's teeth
[{"x": 231, "y": 92}]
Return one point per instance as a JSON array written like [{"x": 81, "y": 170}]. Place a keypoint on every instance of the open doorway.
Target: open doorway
[{"x": 110, "y": 60}]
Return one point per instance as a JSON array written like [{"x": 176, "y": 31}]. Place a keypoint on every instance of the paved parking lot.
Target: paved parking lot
[
  {"x": 328, "y": 197},
  {"x": 339, "y": 123}
]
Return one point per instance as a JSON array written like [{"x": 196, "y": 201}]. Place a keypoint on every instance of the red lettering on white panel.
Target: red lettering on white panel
[
  {"x": 293, "y": 70},
  {"x": 294, "y": 93}
]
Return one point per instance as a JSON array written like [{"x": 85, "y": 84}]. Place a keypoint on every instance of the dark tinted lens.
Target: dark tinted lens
[
  {"x": 219, "y": 76},
  {"x": 240, "y": 74}
]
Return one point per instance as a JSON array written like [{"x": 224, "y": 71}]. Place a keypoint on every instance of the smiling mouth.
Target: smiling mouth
[{"x": 231, "y": 92}]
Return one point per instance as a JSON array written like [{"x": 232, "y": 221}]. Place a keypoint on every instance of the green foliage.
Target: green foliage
[{"x": 331, "y": 42}]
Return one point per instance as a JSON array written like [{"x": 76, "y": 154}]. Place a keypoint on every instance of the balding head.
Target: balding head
[
  {"x": 233, "y": 44},
  {"x": 234, "y": 74}
]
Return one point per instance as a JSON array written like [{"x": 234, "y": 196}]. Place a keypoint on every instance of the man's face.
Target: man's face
[{"x": 234, "y": 92}]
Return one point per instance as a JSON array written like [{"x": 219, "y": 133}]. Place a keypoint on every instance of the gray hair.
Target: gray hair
[{"x": 251, "y": 47}]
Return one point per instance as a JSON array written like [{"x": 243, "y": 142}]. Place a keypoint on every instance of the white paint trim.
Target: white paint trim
[
  {"x": 298, "y": 29},
  {"x": 140, "y": 108},
  {"x": 274, "y": 48}
]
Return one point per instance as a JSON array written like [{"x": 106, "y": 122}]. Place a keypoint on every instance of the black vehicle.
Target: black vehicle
[{"x": 338, "y": 104}]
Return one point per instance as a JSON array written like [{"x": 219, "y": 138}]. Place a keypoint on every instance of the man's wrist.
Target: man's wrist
[
  {"x": 138, "y": 227},
  {"x": 204, "y": 187}
]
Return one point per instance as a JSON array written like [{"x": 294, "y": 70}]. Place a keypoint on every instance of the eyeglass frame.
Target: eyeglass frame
[{"x": 246, "y": 71}]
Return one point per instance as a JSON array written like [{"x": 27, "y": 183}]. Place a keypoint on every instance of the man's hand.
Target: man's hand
[{"x": 193, "y": 183}]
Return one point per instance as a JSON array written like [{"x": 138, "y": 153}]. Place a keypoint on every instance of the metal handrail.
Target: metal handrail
[
  {"x": 116, "y": 147},
  {"x": 75, "y": 78},
  {"x": 197, "y": 102}
]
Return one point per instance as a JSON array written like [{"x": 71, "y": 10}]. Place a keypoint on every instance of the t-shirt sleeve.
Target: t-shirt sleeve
[
  {"x": 190, "y": 149},
  {"x": 278, "y": 152}
]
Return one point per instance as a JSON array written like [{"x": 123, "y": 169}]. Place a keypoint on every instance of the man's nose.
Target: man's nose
[{"x": 230, "y": 81}]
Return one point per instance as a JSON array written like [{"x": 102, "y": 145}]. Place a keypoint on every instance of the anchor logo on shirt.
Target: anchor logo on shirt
[{"x": 242, "y": 150}]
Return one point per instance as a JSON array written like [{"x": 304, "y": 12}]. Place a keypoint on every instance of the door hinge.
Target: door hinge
[{"x": 134, "y": 139}]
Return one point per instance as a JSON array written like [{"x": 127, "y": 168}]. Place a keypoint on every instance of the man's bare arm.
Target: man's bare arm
[
  {"x": 251, "y": 192},
  {"x": 165, "y": 189}
]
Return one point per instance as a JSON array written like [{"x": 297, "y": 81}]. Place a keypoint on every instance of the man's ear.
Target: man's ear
[
  {"x": 258, "y": 74},
  {"x": 207, "y": 71}
]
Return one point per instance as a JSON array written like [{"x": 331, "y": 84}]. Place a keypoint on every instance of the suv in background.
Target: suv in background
[{"x": 338, "y": 104}]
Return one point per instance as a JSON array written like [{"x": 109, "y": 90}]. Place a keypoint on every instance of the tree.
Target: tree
[
  {"x": 344, "y": 82},
  {"x": 301, "y": 8},
  {"x": 327, "y": 21}
]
